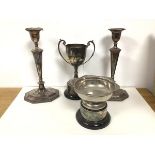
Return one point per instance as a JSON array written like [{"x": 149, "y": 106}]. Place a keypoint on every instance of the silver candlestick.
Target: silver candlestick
[
  {"x": 40, "y": 94},
  {"x": 120, "y": 94}
]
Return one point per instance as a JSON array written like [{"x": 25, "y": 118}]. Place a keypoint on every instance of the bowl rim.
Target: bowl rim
[{"x": 96, "y": 78}]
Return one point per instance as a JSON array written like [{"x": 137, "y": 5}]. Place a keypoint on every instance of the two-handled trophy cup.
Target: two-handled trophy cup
[
  {"x": 76, "y": 54},
  {"x": 120, "y": 94},
  {"x": 40, "y": 94}
]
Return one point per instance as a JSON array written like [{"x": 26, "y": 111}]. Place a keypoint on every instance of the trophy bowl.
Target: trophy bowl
[
  {"x": 94, "y": 91},
  {"x": 76, "y": 53}
]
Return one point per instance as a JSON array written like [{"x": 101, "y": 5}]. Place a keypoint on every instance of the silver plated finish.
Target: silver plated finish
[
  {"x": 94, "y": 91},
  {"x": 120, "y": 94},
  {"x": 93, "y": 105},
  {"x": 95, "y": 88},
  {"x": 41, "y": 94},
  {"x": 69, "y": 92},
  {"x": 93, "y": 115},
  {"x": 75, "y": 56}
]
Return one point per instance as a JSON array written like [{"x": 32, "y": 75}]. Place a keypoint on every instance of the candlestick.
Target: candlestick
[
  {"x": 40, "y": 94},
  {"x": 120, "y": 94}
]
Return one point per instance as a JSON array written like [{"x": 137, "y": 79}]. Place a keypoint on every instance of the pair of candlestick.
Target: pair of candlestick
[{"x": 76, "y": 56}]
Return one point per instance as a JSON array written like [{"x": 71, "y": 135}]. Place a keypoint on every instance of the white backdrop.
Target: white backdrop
[{"x": 76, "y": 22}]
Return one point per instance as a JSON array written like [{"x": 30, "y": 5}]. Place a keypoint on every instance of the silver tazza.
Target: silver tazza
[{"x": 94, "y": 91}]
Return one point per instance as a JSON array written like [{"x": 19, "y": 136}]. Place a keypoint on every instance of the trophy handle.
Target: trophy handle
[
  {"x": 64, "y": 43},
  {"x": 93, "y": 51}
]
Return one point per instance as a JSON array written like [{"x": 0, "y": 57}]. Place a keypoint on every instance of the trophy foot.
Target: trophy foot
[
  {"x": 71, "y": 96},
  {"x": 69, "y": 92},
  {"x": 38, "y": 96},
  {"x": 119, "y": 95},
  {"x": 91, "y": 124}
]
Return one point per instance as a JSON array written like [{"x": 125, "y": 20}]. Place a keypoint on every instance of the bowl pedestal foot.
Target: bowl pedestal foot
[{"x": 93, "y": 118}]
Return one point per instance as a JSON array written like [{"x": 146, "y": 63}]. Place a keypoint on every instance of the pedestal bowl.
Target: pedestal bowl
[{"x": 94, "y": 91}]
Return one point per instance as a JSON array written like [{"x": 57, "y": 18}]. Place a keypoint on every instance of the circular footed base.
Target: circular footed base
[
  {"x": 70, "y": 96},
  {"x": 38, "y": 96},
  {"x": 93, "y": 125},
  {"x": 119, "y": 95}
]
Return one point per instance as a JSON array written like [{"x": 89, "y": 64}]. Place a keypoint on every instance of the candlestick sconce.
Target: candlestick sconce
[
  {"x": 120, "y": 94},
  {"x": 40, "y": 94},
  {"x": 76, "y": 54}
]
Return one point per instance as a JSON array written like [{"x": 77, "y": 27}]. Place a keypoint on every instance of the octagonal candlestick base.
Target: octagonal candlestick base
[
  {"x": 119, "y": 95},
  {"x": 41, "y": 96}
]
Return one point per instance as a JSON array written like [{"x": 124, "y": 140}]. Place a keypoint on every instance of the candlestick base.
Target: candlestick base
[
  {"x": 41, "y": 96},
  {"x": 119, "y": 95}
]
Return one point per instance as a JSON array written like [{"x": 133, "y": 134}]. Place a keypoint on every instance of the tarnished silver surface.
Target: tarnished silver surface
[
  {"x": 94, "y": 105},
  {"x": 76, "y": 54},
  {"x": 41, "y": 96},
  {"x": 119, "y": 95},
  {"x": 69, "y": 92},
  {"x": 93, "y": 115},
  {"x": 94, "y": 92},
  {"x": 95, "y": 88}
]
